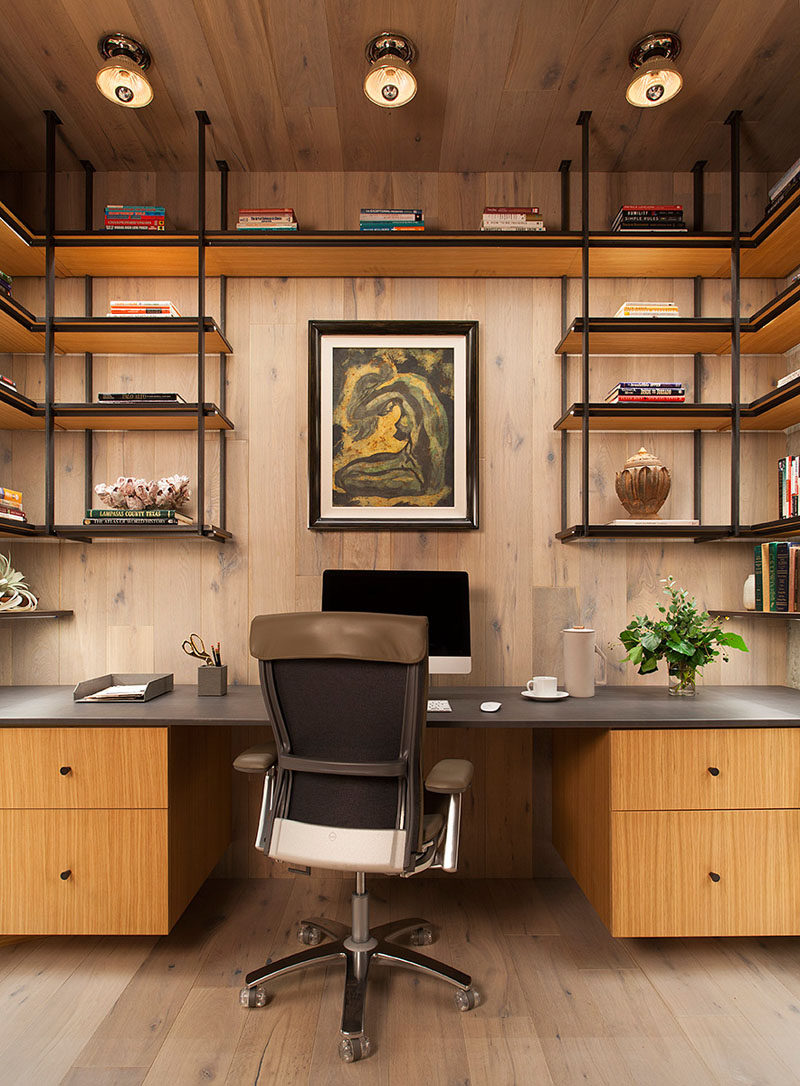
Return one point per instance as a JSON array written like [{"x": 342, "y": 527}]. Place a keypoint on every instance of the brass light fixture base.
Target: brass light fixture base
[
  {"x": 122, "y": 45},
  {"x": 389, "y": 41}
]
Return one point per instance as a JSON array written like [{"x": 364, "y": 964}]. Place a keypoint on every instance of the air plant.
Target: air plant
[{"x": 14, "y": 593}]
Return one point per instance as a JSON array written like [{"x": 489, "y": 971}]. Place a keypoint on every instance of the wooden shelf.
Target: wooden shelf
[
  {"x": 770, "y": 250},
  {"x": 696, "y": 532},
  {"x": 754, "y": 614},
  {"x": 21, "y": 251},
  {"x": 650, "y": 417},
  {"x": 141, "y": 335},
  {"x": 17, "y": 412},
  {"x": 18, "y": 616},
  {"x": 625, "y": 335},
  {"x": 782, "y": 527},
  {"x": 775, "y": 328},
  {"x": 129, "y": 253},
  {"x": 98, "y": 416},
  {"x": 20, "y": 332},
  {"x": 91, "y": 533},
  {"x": 22, "y": 531},
  {"x": 664, "y": 256}
]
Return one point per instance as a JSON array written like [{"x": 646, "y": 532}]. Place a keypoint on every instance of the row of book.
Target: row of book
[
  {"x": 658, "y": 218},
  {"x": 788, "y": 487},
  {"x": 134, "y": 518},
  {"x": 134, "y": 217},
  {"x": 138, "y": 308},
  {"x": 11, "y": 510},
  {"x": 647, "y": 392},
  {"x": 647, "y": 309},
  {"x": 777, "y": 576},
  {"x": 391, "y": 219},
  {"x": 784, "y": 187},
  {"x": 7, "y": 382},
  {"x": 6, "y": 283},
  {"x": 142, "y": 398},
  {"x": 277, "y": 219},
  {"x": 512, "y": 219}
]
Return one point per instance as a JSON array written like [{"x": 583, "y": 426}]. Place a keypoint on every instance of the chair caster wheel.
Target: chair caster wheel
[
  {"x": 309, "y": 935},
  {"x": 421, "y": 936},
  {"x": 354, "y": 1048},
  {"x": 253, "y": 997},
  {"x": 466, "y": 999}
]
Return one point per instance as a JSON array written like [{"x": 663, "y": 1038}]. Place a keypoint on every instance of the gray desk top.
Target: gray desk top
[{"x": 611, "y": 707}]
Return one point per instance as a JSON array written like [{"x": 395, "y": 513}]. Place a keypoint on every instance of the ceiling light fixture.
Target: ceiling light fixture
[
  {"x": 390, "y": 81},
  {"x": 657, "y": 79},
  {"x": 121, "y": 79}
]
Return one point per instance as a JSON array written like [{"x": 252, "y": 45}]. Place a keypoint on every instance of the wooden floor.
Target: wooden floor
[{"x": 563, "y": 1002}]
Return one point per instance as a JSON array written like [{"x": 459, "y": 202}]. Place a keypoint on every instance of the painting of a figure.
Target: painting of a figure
[{"x": 392, "y": 419}]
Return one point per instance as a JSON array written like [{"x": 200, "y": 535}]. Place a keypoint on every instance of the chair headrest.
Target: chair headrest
[{"x": 340, "y": 635}]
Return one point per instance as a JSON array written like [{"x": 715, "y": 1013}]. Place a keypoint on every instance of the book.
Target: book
[
  {"x": 511, "y": 211},
  {"x": 772, "y": 555},
  {"x": 140, "y": 397},
  {"x": 134, "y": 522},
  {"x": 789, "y": 377},
  {"x": 782, "y": 576},
  {"x": 757, "y": 569},
  {"x": 13, "y": 496},
  {"x": 651, "y": 207},
  {"x": 147, "y": 209},
  {"x": 654, "y": 522},
  {"x": 647, "y": 309},
  {"x": 647, "y": 399},
  {"x": 519, "y": 228},
  {"x": 142, "y": 515},
  {"x": 514, "y": 216},
  {"x": 14, "y": 518},
  {"x": 376, "y": 228},
  {"x": 272, "y": 228},
  {"x": 414, "y": 214},
  {"x": 7, "y": 382}
]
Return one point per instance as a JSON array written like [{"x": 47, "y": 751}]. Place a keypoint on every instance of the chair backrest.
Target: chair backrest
[{"x": 346, "y": 695}]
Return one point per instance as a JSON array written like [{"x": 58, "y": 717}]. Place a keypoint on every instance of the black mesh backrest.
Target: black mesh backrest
[{"x": 346, "y": 695}]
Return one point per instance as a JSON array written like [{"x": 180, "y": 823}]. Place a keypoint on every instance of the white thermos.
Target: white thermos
[{"x": 580, "y": 650}]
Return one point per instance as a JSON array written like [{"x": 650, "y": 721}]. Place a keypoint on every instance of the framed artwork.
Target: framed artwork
[{"x": 393, "y": 424}]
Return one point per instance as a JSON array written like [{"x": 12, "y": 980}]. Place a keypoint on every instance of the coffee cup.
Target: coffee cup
[{"x": 543, "y": 686}]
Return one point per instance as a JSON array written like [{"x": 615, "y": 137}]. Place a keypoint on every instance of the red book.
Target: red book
[
  {"x": 266, "y": 211},
  {"x": 652, "y": 207},
  {"x": 649, "y": 399}
]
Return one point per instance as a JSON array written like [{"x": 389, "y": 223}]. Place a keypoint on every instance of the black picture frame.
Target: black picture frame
[{"x": 426, "y": 381}]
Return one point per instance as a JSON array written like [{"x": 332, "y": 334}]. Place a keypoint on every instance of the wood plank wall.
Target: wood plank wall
[{"x": 134, "y": 603}]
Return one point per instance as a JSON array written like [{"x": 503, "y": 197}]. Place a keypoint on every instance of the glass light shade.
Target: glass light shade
[
  {"x": 390, "y": 82},
  {"x": 656, "y": 82},
  {"x": 122, "y": 81}
]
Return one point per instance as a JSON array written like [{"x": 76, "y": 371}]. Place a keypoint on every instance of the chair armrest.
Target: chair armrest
[
  {"x": 258, "y": 759},
  {"x": 451, "y": 775}
]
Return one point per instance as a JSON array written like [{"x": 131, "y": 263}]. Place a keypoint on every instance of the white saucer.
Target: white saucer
[{"x": 559, "y": 694}]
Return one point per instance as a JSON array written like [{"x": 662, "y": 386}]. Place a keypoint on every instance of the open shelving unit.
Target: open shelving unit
[{"x": 20, "y": 616}]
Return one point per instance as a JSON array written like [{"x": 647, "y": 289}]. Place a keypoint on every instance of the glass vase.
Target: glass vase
[{"x": 682, "y": 681}]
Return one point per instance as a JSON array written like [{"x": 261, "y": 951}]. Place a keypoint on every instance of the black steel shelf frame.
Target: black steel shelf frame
[
  {"x": 699, "y": 533},
  {"x": 76, "y": 532}
]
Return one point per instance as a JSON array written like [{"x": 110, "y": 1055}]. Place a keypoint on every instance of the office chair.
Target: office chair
[{"x": 346, "y": 696}]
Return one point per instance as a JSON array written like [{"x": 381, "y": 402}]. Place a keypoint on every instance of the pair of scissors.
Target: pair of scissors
[{"x": 194, "y": 647}]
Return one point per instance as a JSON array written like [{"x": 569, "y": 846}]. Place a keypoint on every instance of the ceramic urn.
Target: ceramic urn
[{"x": 643, "y": 485}]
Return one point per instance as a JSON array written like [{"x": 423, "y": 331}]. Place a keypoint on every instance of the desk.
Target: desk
[{"x": 677, "y": 816}]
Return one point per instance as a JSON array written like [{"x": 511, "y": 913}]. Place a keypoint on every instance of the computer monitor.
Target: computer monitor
[{"x": 443, "y": 597}]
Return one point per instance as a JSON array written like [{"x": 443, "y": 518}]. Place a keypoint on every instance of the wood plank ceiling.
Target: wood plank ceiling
[{"x": 500, "y": 84}]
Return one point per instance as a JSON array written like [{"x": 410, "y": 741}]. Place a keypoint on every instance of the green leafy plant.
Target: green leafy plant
[{"x": 684, "y": 636}]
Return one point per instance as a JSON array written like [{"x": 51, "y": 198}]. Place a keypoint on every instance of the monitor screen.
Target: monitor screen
[{"x": 442, "y": 596}]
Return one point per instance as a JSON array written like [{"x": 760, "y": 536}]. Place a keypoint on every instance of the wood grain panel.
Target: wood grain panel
[
  {"x": 108, "y": 767},
  {"x": 118, "y": 864},
  {"x": 663, "y": 862},
  {"x": 669, "y": 770}
]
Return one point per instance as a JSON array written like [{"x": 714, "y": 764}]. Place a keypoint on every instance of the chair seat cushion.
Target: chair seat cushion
[
  {"x": 432, "y": 826},
  {"x": 256, "y": 759}
]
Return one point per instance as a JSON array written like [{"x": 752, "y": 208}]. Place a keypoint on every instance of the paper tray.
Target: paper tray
[{"x": 153, "y": 684}]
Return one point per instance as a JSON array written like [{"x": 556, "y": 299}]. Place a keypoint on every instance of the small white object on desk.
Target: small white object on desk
[
  {"x": 490, "y": 706},
  {"x": 557, "y": 695},
  {"x": 439, "y": 706},
  {"x": 118, "y": 693}
]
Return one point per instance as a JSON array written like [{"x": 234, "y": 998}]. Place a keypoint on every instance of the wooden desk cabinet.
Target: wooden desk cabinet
[
  {"x": 108, "y": 831},
  {"x": 682, "y": 832}
]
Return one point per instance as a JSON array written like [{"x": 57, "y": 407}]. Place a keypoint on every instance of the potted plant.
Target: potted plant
[{"x": 685, "y": 637}]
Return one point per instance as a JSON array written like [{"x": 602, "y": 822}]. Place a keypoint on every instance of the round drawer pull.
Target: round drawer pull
[
  {"x": 65, "y": 875},
  {"x": 713, "y": 876},
  {"x": 65, "y": 769},
  {"x": 712, "y": 769}
]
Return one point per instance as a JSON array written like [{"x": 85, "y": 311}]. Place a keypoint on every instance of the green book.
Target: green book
[
  {"x": 781, "y": 576},
  {"x": 759, "y": 575},
  {"x": 131, "y": 514},
  {"x": 773, "y": 562}
]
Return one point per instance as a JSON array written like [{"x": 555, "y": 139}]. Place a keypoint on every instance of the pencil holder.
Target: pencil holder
[{"x": 212, "y": 681}]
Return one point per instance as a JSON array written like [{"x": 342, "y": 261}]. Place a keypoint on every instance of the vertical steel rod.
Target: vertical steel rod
[
  {"x": 222, "y": 166},
  {"x": 583, "y": 121},
  {"x": 88, "y": 358},
  {"x": 51, "y": 122},
  {"x": 698, "y": 221},
  {"x": 564, "y": 171},
  {"x": 202, "y": 122},
  {"x": 734, "y": 120}
]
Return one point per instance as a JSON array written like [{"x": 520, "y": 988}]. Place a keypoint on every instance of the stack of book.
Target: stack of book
[
  {"x": 777, "y": 576},
  {"x": 130, "y": 217},
  {"x": 647, "y": 309},
  {"x": 5, "y": 284},
  {"x": 789, "y": 377},
  {"x": 134, "y": 518},
  {"x": 391, "y": 218},
  {"x": 142, "y": 309},
  {"x": 663, "y": 218},
  {"x": 784, "y": 187},
  {"x": 788, "y": 487},
  {"x": 11, "y": 511},
  {"x": 141, "y": 399},
  {"x": 6, "y": 382},
  {"x": 512, "y": 219},
  {"x": 273, "y": 219},
  {"x": 647, "y": 392}
]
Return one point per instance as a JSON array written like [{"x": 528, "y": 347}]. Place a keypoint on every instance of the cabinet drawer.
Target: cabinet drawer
[
  {"x": 117, "y": 864},
  {"x": 83, "y": 767},
  {"x": 705, "y": 769},
  {"x": 665, "y": 863}
]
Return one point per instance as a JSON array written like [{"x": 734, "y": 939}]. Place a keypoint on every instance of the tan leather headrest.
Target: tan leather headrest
[{"x": 344, "y": 635}]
